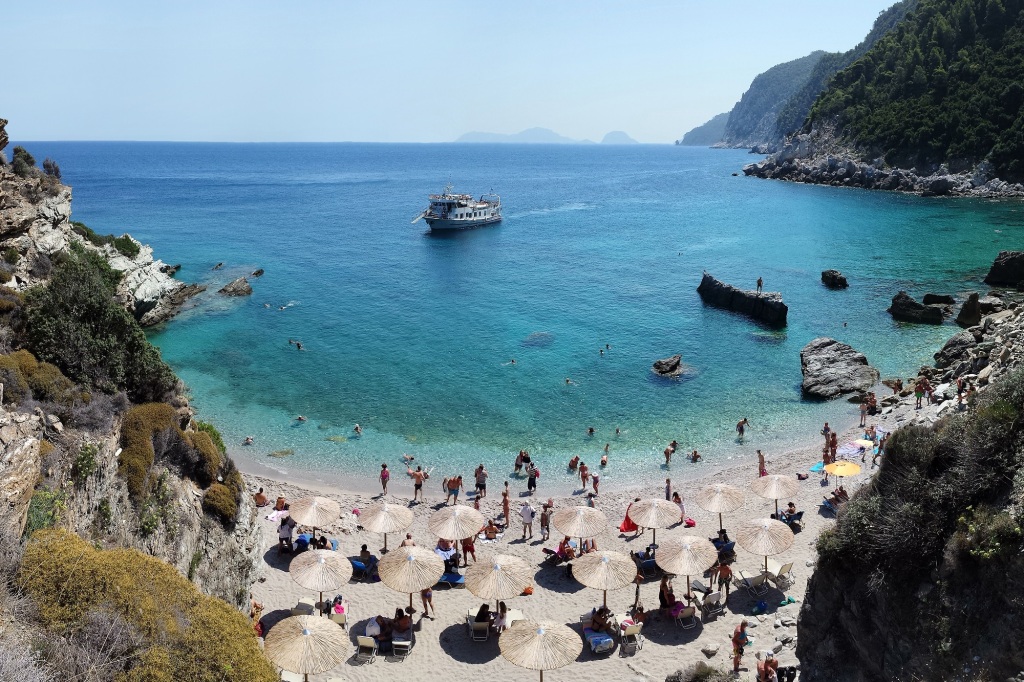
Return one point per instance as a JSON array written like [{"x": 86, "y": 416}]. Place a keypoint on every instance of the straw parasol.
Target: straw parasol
[
  {"x": 386, "y": 518},
  {"x": 604, "y": 570},
  {"x": 841, "y": 469},
  {"x": 456, "y": 522},
  {"x": 318, "y": 512},
  {"x": 719, "y": 498},
  {"x": 687, "y": 555},
  {"x": 764, "y": 536},
  {"x": 499, "y": 577},
  {"x": 654, "y": 514},
  {"x": 774, "y": 487},
  {"x": 540, "y": 645},
  {"x": 321, "y": 570},
  {"x": 307, "y": 645},
  {"x": 410, "y": 569},
  {"x": 579, "y": 522}
]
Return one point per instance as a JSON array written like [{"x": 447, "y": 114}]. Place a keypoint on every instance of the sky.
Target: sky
[{"x": 396, "y": 71}]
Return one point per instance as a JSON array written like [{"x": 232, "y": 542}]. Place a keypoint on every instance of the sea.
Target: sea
[{"x": 411, "y": 335}]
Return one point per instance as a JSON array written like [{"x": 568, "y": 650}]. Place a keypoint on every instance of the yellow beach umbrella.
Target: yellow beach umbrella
[
  {"x": 843, "y": 468},
  {"x": 540, "y": 645}
]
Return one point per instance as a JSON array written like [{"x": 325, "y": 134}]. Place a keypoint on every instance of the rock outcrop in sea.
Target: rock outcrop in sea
[
  {"x": 766, "y": 307},
  {"x": 668, "y": 367},
  {"x": 1007, "y": 269},
  {"x": 833, "y": 279},
  {"x": 906, "y": 309},
  {"x": 831, "y": 369},
  {"x": 237, "y": 287}
]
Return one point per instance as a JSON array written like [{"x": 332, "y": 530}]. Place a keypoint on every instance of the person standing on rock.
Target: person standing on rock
[{"x": 760, "y": 284}]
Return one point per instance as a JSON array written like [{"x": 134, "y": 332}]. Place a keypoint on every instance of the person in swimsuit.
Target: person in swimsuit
[
  {"x": 454, "y": 486},
  {"x": 418, "y": 477},
  {"x": 762, "y": 469},
  {"x": 584, "y": 474},
  {"x": 574, "y": 462},
  {"x": 427, "y": 595},
  {"x": 481, "y": 481},
  {"x": 385, "y": 476},
  {"x": 741, "y": 428},
  {"x": 760, "y": 284}
]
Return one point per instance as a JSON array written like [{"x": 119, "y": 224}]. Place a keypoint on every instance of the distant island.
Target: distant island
[{"x": 541, "y": 136}]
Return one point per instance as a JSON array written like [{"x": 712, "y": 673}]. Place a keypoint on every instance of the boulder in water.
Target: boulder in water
[
  {"x": 767, "y": 307},
  {"x": 238, "y": 287},
  {"x": 938, "y": 299},
  {"x": 1007, "y": 269},
  {"x": 669, "y": 367},
  {"x": 257, "y": 273},
  {"x": 833, "y": 279},
  {"x": 831, "y": 369},
  {"x": 990, "y": 304},
  {"x": 970, "y": 311},
  {"x": 906, "y": 309}
]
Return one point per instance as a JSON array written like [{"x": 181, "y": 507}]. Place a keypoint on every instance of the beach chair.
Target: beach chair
[
  {"x": 796, "y": 520},
  {"x": 632, "y": 639},
  {"x": 305, "y": 607},
  {"x": 685, "y": 618},
  {"x": 452, "y": 580},
  {"x": 401, "y": 648},
  {"x": 341, "y": 619},
  {"x": 711, "y": 605},
  {"x": 755, "y": 585},
  {"x": 598, "y": 641},
  {"x": 366, "y": 649},
  {"x": 827, "y": 504},
  {"x": 780, "y": 574},
  {"x": 727, "y": 551},
  {"x": 478, "y": 632},
  {"x": 360, "y": 571}
]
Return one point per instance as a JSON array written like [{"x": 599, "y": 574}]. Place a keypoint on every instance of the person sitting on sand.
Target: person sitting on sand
[
  {"x": 490, "y": 531},
  {"x": 591, "y": 499},
  {"x": 281, "y": 504},
  {"x": 574, "y": 462},
  {"x": 788, "y": 512},
  {"x": 589, "y": 545},
  {"x": 838, "y": 496},
  {"x": 408, "y": 541},
  {"x": 366, "y": 557},
  {"x": 768, "y": 668},
  {"x": 401, "y": 628},
  {"x": 260, "y": 499}
]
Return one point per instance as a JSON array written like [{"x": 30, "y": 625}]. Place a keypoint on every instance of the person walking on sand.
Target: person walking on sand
[
  {"x": 595, "y": 479},
  {"x": 427, "y": 595},
  {"x": 668, "y": 489},
  {"x": 505, "y": 505},
  {"x": 741, "y": 428},
  {"x": 762, "y": 470},
  {"x": 584, "y": 474},
  {"x": 527, "y": 513},
  {"x": 760, "y": 284},
  {"x": 385, "y": 476},
  {"x": 739, "y": 640},
  {"x": 454, "y": 486},
  {"x": 418, "y": 477},
  {"x": 863, "y": 413},
  {"x": 545, "y": 522},
  {"x": 481, "y": 481}
]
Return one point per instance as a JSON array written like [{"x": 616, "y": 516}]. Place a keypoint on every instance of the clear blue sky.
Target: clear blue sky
[{"x": 390, "y": 71}]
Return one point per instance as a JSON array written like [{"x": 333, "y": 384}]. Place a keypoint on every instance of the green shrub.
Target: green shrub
[
  {"x": 44, "y": 510},
  {"x": 987, "y": 534},
  {"x": 211, "y": 430},
  {"x": 84, "y": 465},
  {"x": 51, "y": 168},
  {"x": 209, "y": 458},
  {"x": 104, "y": 515},
  {"x": 186, "y": 635},
  {"x": 219, "y": 502},
  {"x": 22, "y": 153},
  {"x": 139, "y": 426},
  {"x": 124, "y": 244},
  {"x": 75, "y": 323},
  {"x": 11, "y": 255}
]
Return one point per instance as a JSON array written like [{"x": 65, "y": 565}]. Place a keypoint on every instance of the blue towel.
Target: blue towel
[
  {"x": 818, "y": 467},
  {"x": 453, "y": 579}
]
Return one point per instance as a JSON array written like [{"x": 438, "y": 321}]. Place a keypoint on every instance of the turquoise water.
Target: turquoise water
[{"x": 410, "y": 334}]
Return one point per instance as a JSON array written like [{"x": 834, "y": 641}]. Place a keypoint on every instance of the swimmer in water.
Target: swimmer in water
[
  {"x": 358, "y": 430},
  {"x": 512, "y": 361},
  {"x": 604, "y": 460},
  {"x": 607, "y": 446},
  {"x": 407, "y": 458},
  {"x": 568, "y": 381},
  {"x": 248, "y": 440},
  {"x": 590, "y": 430},
  {"x": 574, "y": 462},
  {"x": 617, "y": 432},
  {"x": 601, "y": 351},
  {"x": 298, "y": 345},
  {"x": 607, "y": 346},
  {"x": 266, "y": 305},
  {"x": 300, "y": 418},
  {"x": 281, "y": 308},
  {"x": 291, "y": 342},
  {"x": 694, "y": 457}
]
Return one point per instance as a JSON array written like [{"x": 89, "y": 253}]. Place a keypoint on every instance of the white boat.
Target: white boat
[{"x": 450, "y": 211}]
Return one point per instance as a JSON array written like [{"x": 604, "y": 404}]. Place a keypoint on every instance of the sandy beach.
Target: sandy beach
[{"x": 443, "y": 647}]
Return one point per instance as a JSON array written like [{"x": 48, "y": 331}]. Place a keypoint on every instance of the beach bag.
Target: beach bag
[
  {"x": 689, "y": 523},
  {"x": 528, "y": 591},
  {"x": 801, "y": 477}
]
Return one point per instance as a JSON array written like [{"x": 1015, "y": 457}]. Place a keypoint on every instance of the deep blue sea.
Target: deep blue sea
[{"x": 410, "y": 334}]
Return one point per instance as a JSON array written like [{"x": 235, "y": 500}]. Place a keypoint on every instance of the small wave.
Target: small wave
[{"x": 575, "y": 206}]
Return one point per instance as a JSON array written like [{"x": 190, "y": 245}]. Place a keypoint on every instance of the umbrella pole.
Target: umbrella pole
[
  {"x": 765, "y": 563},
  {"x": 321, "y": 604},
  {"x": 410, "y": 594},
  {"x": 605, "y": 597},
  {"x": 721, "y": 526},
  {"x": 688, "y": 591},
  {"x": 776, "y": 508},
  {"x": 654, "y": 536},
  {"x": 385, "y": 544}
]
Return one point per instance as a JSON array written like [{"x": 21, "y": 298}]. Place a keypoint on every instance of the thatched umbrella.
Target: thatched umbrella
[
  {"x": 654, "y": 514},
  {"x": 764, "y": 536},
  {"x": 410, "y": 569},
  {"x": 499, "y": 577},
  {"x": 321, "y": 570},
  {"x": 604, "y": 570},
  {"x": 307, "y": 645},
  {"x": 540, "y": 646},
  {"x": 386, "y": 518},
  {"x": 318, "y": 512},
  {"x": 579, "y": 522},
  {"x": 719, "y": 498},
  {"x": 456, "y": 522},
  {"x": 775, "y": 487},
  {"x": 687, "y": 555}
]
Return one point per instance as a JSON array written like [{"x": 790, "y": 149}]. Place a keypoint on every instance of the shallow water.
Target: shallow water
[{"x": 411, "y": 335}]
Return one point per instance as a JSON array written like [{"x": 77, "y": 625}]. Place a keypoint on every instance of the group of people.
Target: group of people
[
  {"x": 386, "y": 630},
  {"x": 670, "y": 450}
]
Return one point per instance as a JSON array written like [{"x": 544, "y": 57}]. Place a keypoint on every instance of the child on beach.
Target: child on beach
[
  {"x": 505, "y": 504},
  {"x": 545, "y": 522}
]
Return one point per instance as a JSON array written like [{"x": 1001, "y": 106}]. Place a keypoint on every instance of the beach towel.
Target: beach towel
[
  {"x": 848, "y": 450},
  {"x": 600, "y": 642},
  {"x": 275, "y": 515},
  {"x": 818, "y": 467}
]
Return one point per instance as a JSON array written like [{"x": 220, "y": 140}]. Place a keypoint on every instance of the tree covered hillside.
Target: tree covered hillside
[{"x": 944, "y": 86}]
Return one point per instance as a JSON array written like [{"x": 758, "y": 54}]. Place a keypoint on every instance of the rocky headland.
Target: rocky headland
[{"x": 831, "y": 369}]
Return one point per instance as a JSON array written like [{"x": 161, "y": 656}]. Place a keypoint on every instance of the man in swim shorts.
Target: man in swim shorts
[
  {"x": 481, "y": 481},
  {"x": 418, "y": 477}
]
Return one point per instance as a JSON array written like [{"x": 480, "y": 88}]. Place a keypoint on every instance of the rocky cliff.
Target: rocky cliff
[{"x": 35, "y": 227}]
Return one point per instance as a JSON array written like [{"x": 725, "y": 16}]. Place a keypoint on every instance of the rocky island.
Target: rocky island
[{"x": 766, "y": 307}]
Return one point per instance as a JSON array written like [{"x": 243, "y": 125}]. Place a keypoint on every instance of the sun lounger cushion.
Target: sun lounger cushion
[
  {"x": 600, "y": 642},
  {"x": 453, "y": 579}
]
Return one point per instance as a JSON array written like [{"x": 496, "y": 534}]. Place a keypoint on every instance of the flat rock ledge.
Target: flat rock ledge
[
  {"x": 832, "y": 369},
  {"x": 766, "y": 307}
]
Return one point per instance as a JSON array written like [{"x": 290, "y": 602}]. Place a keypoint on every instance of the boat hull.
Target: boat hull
[{"x": 448, "y": 225}]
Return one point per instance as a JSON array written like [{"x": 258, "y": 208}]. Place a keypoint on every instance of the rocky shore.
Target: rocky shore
[{"x": 817, "y": 158}]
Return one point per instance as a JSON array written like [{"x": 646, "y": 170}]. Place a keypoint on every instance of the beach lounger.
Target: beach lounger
[
  {"x": 478, "y": 632},
  {"x": 711, "y": 605},
  {"x": 366, "y": 649},
  {"x": 552, "y": 557},
  {"x": 780, "y": 574},
  {"x": 341, "y": 619},
  {"x": 360, "y": 571},
  {"x": 305, "y": 607},
  {"x": 401, "y": 648},
  {"x": 755, "y": 585},
  {"x": 685, "y": 618},
  {"x": 827, "y": 504},
  {"x": 600, "y": 642},
  {"x": 795, "y": 520},
  {"x": 632, "y": 639},
  {"x": 452, "y": 580}
]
